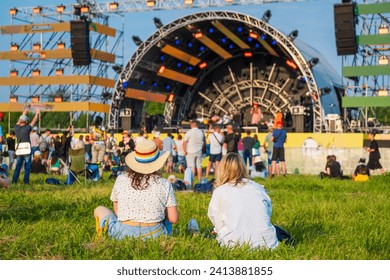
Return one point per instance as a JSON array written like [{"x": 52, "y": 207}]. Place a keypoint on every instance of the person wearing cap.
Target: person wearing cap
[
  {"x": 34, "y": 139},
  {"x": 279, "y": 137},
  {"x": 144, "y": 202},
  {"x": 22, "y": 131}
]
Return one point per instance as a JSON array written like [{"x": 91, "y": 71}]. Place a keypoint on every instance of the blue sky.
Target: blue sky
[{"x": 313, "y": 19}]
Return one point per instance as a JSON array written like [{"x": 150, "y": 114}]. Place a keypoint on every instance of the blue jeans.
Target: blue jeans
[
  {"x": 248, "y": 157},
  {"x": 27, "y": 168}
]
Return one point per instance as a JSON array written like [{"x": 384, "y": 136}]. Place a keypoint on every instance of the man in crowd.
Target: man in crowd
[
  {"x": 216, "y": 142},
  {"x": 192, "y": 145},
  {"x": 279, "y": 137},
  {"x": 231, "y": 140}
]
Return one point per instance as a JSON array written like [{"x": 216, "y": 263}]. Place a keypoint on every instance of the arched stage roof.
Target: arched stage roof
[{"x": 220, "y": 62}]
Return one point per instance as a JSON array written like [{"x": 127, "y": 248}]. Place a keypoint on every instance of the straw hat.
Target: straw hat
[{"x": 146, "y": 158}]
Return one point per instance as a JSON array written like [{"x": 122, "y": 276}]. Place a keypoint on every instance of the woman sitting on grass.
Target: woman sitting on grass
[
  {"x": 142, "y": 198},
  {"x": 240, "y": 209}
]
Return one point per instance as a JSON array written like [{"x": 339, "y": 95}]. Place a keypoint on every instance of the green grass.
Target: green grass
[{"x": 329, "y": 219}]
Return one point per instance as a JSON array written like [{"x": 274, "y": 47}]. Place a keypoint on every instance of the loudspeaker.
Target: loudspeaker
[
  {"x": 79, "y": 42},
  {"x": 299, "y": 123},
  {"x": 344, "y": 23},
  {"x": 126, "y": 122}
]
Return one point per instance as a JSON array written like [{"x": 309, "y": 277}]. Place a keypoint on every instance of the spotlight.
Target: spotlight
[
  {"x": 141, "y": 82},
  {"x": 36, "y": 72},
  {"x": 113, "y": 6},
  {"x": 14, "y": 47},
  {"x": 155, "y": 84},
  {"x": 13, "y": 99},
  {"x": 273, "y": 42},
  {"x": 157, "y": 22},
  {"x": 58, "y": 99},
  {"x": 60, "y": 45},
  {"x": 137, "y": 40},
  {"x": 383, "y": 29},
  {"x": 223, "y": 40},
  {"x": 239, "y": 29},
  {"x": 211, "y": 30},
  {"x": 257, "y": 45},
  {"x": 293, "y": 35},
  {"x": 36, "y": 47},
  {"x": 202, "y": 48},
  {"x": 190, "y": 68},
  {"x": 171, "y": 97},
  {"x": 313, "y": 61},
  {"x": 125, "y": 84},
  {"x": 190, "y": 44},
  {"x": 267, "y": 16},
  {"x": 168, "y": 87},
  {"x": 117, "y": 69},
  {"x": 14, "y": 73},
  {"x": 106, "y": 95},
  {"x": 177, "y": 42},
  {"x": 253, "y": 35},
  {"x": 37, "y": 10},
  {"x": 198, "y": 35},
  {"x": 250, "y": 39},
  {"x": 59, "y": 72},
  {"x": 179, "y": 64},
  {"x": 161, "y": 70},
  {"x": 188, "y": 2},
  {"x": 35, "y": 99},
  {"x": 13, "y": 11},
  {"x": 291, "y": 64},
  {"x": 84, "y": 9},
  {"x": 263, "y": 36},
  {"x": 162, "y": 57},
  {"x": 383, "y": 60},
  {"x": 248, "y": 54},
  {"x": 231, "y": 46},
  {"x": 150, "y": 3},
  {"x": 60, "y": 9},
  {"x": 203, "y": 65}
]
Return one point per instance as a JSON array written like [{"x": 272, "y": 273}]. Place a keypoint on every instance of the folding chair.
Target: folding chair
[{"x": 77, "y": 166}]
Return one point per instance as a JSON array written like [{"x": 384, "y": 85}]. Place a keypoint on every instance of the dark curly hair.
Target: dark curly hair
[{"x": 141, "y": 181}]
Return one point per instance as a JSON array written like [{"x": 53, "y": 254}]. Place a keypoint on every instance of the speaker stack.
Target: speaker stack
[
  {"x": 344, "y": 22},
  {"x": 79, "y": 39}
]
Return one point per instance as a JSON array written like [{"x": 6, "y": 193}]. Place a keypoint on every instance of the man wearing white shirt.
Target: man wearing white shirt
[
  {"x": 216, "y": 142},
  {"x": 34, "y": 138},
  {"x": 192, "y": 145}
]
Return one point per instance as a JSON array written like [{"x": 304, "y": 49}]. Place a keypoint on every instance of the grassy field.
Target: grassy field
[{"x": 329, "y": 219}]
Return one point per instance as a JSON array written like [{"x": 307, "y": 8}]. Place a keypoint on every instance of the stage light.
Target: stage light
[
  {"x": 167, "y": 87},
  {"x": 293, "y": 35},
  {"x": 202, "y": 48},
  {"x": 161, "y": 70},
  {"x": 59, "y": 72},
  {"x": 125, "y": 84},
  {"x": 141, "y": 82},
  {"x": 190, "y": 44},
  {"x": 60, "y": 45},
  {"x": 273, "y": 42},
  {"x": 267, "y": 16},
  {"x": 35, "y": 99},
  {"x": 190, "y": 68},
  {"x": 36, "y": 47},
  {"x": 239, "y": 29},
  {"x": 117, "y": 69},
  {"x": 231, "y": 46},
  {"x": 14, "y": 47},
  {"x": 14, "y": 73},
  {"x": 291, "y": 64},
  {"x": 223, "y": 40},
  {"x": 113, "y": 6},
  {"x": 42, "y": 55},
  {"x": 257, "y": 45},
  {"x": 229, "y": 1},
  {"x": 170, "y": 98},
  {"x": 36, "y": 72},
  {"x": 203, "y": 65},
  {"x": 150, "y": 3},
  {"x": 263, "y": 36},
  {"x": 60, "y": 9},
  {"x": 157, "y": 22},
  {"x": 248, "y": 54},
  {"x": 383, "y": 60},
  {"x": 383, "y": 29},
  {"x": 106, "y": 94},
  {"x": 137, "y": 40},
  {"x": 13, "y": 99},
  {"x": 57, "y": 98},
  {"x": 177, "y": 42},
  {"x": 84, "y": 9},
  {"x": 313, "y": 61},
  {"x": 162, "y": 57},
  {"x": 250, "y": 39},
  {"x": 253, "y": 35},
  {"x": 155, "y": 84},
  {"x": 188, "y": 2},
  {"x": 211, "y": 30},
  {"x": 13, "y": 11},
  {"x": 198, "y": 35},
  {"x": 179, "y": 64},
  {"x": 37, "y": 10}
]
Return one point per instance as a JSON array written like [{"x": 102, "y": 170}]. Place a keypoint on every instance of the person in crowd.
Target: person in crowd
[
  {"x": 127, "y": 144},
  {"x": 216, "y": 143},
  {"x": 374, "y": 157},
  {"x": 111, "y": 143},
  {"x": 362, "y": 172},
  {"x": 168, "y": 144},
  {"x": 54, "y": 163},
  {"x": 192, "y": 146},
  {"x": 240, "y": 209},
  {"x": 38, "y": 165},
  {"x": 181, "y": 158},
  {"x": 22, "y": 131},
  {"x": 256, "y": 146},
  {"x": 4, "y": 180},
  {"x": 240, "y": 147},
  {"x": 256, "y": 114},
  {"x": 11, "y": 149},
  {"x": 279, "y": 137},
  {"x": 248, "y": 143},
  {"x": 77, "y": 143},
  {"x": 98, "y": 136},
  {"x": 88, "y": 148},
  {"x": 231, "y": 140},
  {"x": 34, "y": 138},
  {"x": 268, "y": 146},
  {"x": 144, "y": 202},
  {"x": 157, "y": 140},
  {"x": 140, "y": 137},
  {"x": 258, "y": 169},
  {"x": 332, "y": 168}
]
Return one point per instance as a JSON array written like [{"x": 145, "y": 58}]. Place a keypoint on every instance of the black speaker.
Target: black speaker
[
  {"x": 299, "y": 123},
  {"x": 344, "y": 23},
  {"x": 79, "y": 41}
]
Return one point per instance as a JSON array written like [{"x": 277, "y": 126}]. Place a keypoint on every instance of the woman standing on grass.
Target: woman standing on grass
[
  {"x": 142, "y": 198},
  {"x": 240, "y": 209}
]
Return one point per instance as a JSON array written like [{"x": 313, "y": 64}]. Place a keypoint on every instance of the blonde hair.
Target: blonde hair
[{"x": 231, "y": 169}]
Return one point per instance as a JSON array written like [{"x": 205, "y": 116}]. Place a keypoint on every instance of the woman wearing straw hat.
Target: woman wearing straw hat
[{"x": 142, "y": 198}]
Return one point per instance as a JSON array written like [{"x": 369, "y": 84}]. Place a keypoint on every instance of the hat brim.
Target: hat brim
[{"x": 146, "y": 168}]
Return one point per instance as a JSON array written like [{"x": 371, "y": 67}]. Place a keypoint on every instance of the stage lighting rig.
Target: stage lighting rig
[
  {"x": 314, "y": 61},
  {"x": 137, "y": 40},
  {"x": 157, "y": 22},
  {"x": 267, "y": 16},
  {"x": 117, "y": 69}
]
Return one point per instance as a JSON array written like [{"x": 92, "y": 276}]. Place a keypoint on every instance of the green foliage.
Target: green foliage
[
  {"x": 154, "y": 108},
  {"x": 329, "y": 219}
]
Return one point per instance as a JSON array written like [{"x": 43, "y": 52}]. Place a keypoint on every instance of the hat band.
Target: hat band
[{"x": 147, "y": 158}]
